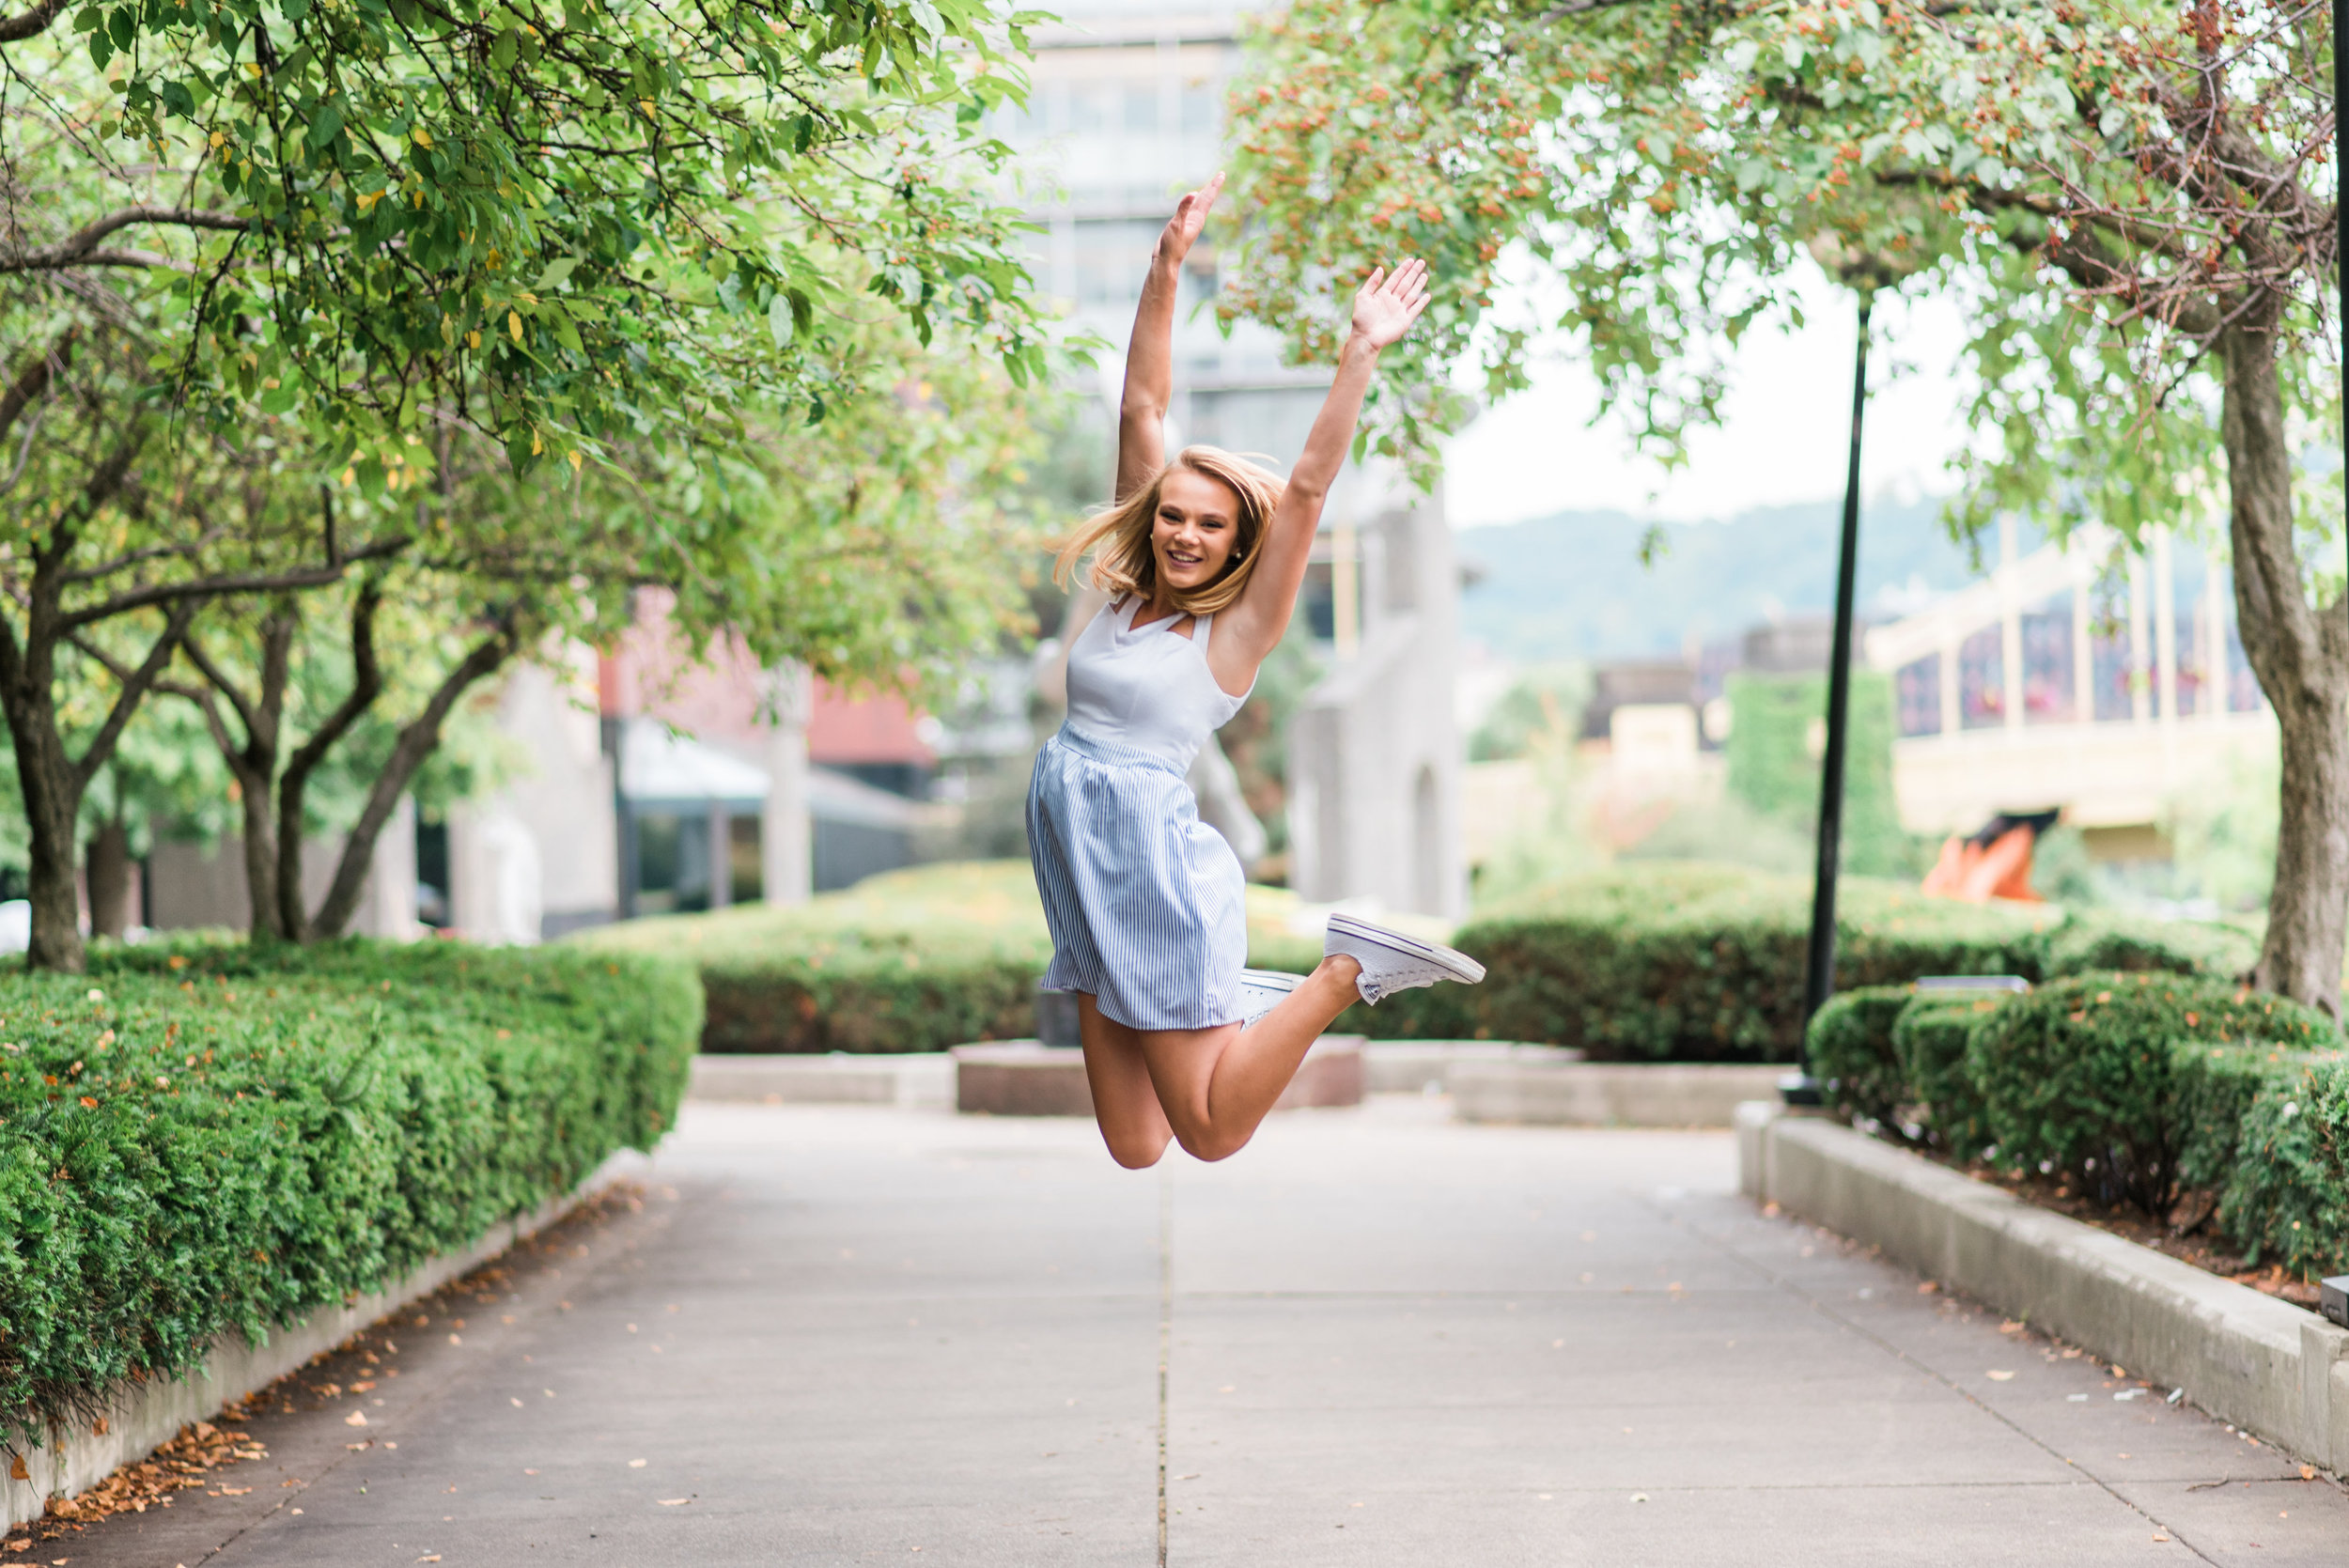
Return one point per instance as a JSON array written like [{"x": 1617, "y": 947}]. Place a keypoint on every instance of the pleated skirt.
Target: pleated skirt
[{"x": 1146, "y": 903}]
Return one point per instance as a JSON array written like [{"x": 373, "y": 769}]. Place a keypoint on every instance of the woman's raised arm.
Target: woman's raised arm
[
  {"x": 1150, "y": 354},
  {"x": 1252, "y": 627}
]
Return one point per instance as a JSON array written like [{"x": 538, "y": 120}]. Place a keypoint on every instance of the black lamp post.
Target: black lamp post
[
  {"x": 1799, "y": 1087},
  {"x": 2335, "y": 1292}
]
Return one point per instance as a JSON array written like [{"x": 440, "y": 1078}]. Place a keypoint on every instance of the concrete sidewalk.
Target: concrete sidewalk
[{"x": 850, "y": 1334}]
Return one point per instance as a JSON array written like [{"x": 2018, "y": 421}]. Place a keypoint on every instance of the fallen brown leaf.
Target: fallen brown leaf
[
  {"x": 675, "y": 1503},
  {"x": 357, "y": 1417}
]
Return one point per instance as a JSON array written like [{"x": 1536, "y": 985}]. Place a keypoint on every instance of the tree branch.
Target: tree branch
[
  {"x": 25, "y": 24},
  {"x": 200, "y": 697},
  {"x": 248, "y": 583},
  {"x": 367, "y": 684},
  {"x": 218, "y": 680},
  {"x": 134, "y": 691},
  {"x": 34, "y": 380},
  {"x": 417, "y": 742},
  {"x": 77, "y": 249}
]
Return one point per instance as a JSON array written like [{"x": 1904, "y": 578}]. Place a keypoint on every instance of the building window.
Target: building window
[
  {"x": 2047, "y": 690},
  {"x": 745, "y": 874},
  {"x": 672, "y": 863},
  {"x": 1982, "y": 680},
  {"x": 1111, "y": 258},
  {"x": 1201, "y": 101},
  {"x": 1920, "y": 687},
  {"x": 1142, "y": 107}
]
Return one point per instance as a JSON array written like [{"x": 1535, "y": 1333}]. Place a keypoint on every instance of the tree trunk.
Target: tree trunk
[
  {"x": 107, "y": 869},
  {"x": 260, "y": 854},
  {"x": 2301, "y": 655},
  {"x": 367, "y": 684},
  {"x": 416, "y": 741},
  {"x": 253, "y": 761},
  {"x": 53, "y": 799}
]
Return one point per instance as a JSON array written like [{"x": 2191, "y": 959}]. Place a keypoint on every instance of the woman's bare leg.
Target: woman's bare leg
[
  {"x": 1125, "y": 1101},
  {"x": 1216, "y": 1086}
]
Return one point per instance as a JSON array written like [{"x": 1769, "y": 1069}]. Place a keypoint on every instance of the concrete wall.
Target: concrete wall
[
  {"x": 550, "y": 835},
  {"x": 189, "y": 885},
  {"x": 1374, "y": 752}
]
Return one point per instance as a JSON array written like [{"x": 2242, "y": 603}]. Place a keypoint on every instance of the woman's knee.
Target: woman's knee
[
  {"x": 1135, "y": 1151},
  {"x": 1211, "y": 1143}
]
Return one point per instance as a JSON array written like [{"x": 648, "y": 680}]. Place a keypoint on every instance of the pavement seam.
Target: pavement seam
[
  {"x": 1166, "y": 1332},
  {"x": 1816, "y": 1305},
  {"x": 424, "y": 1403}
]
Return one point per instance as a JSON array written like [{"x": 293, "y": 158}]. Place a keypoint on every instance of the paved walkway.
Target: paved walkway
[{"x": 840, "y": 1335}]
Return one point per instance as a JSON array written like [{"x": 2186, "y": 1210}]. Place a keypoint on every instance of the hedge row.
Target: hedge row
[
  {"x": 913, "y": 960},
  {"x": 1662, "y": 961},
  {"x": 1652, "y": 961},
  {"x": 2138, "y": 1087},
  {"x": 218, "y": 1138}
]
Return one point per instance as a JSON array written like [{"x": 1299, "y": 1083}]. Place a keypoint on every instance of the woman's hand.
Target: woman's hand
[
  {"x": 1190, "y": 216},
  {"x": 1387, "y": 305}
]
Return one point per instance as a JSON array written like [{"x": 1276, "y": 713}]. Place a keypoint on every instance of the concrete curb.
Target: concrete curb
[
  {"x": 141, "y": 1417},
  {"x": 2245, "y": 1356},
  {"x": 914, "y": 1079},
  {"x": 1424, "y": 1067},
  {"x": 1556, "y": 1092},
  {"x": 1025, "y": 1078}
]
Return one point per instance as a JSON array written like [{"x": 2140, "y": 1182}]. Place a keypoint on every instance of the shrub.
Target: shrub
[
  {"x": 1644, "y": 961},
  {"x": 2103, "y": 941},
  {"x": 1929, "y": 1040},
  {"x": 1850, "y": 1047},
  {"x": 911, "y": 960},
  {"x": 2078, "y": 1075},
  {"x": 2212, "y": 1089},
  {"x": 1698, "y": 962},
  {"x": 2286, "y": 1199},
  {"x": 205, "y": 1139}
]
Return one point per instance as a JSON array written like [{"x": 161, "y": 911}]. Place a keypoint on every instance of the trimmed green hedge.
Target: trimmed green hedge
[
  {"x": 2136, "y": 1086},
  {"x": 214, "y": 1137},
  {"x": 2078, "y": 1073},
  {"x": 913, "y": 960},
  {"x": 1851, "y": 1047},
  {"x": 1664, "y": 961},
  {"x": 1929, "y": 1041},
  {"x": 1652, "y": 961}
]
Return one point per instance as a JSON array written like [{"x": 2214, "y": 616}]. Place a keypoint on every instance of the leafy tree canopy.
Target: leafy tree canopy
[{"x": 558, "y": 226}]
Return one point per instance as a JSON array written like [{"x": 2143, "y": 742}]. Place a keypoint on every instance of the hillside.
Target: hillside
[{"x": 1571, "y": 586}]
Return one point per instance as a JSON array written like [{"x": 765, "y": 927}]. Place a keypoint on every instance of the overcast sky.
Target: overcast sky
[{"x": 1783, "y": 438}]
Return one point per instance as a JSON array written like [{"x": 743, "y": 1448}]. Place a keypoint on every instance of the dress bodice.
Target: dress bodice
[{"x": 1148, "y": 689}]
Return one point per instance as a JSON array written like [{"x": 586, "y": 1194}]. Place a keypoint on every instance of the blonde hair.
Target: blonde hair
[{"x": 1123, "y": 562}]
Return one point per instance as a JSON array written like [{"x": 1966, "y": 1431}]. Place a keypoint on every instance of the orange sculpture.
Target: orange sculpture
[{"x": 1992, "y": 863}]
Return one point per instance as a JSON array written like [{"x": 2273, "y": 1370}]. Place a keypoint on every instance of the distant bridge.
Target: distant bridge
[{"x": 2072, "y": 676}]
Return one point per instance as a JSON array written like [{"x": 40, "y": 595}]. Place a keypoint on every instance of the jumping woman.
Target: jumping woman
[{"x": 1202, "y": 559}]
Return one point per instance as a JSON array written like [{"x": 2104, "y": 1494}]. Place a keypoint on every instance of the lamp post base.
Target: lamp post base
[{"x": 1801, "y": 1089}]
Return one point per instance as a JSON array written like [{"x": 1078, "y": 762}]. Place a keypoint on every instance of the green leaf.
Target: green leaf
[
  {"x": 779, "y": 322},
  {"x": 328, "y": 125}
]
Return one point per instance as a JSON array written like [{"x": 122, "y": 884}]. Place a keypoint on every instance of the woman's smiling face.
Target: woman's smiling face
[{"x": 1196, "y": 526}]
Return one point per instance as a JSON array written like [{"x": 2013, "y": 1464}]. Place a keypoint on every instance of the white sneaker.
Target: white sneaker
[
  {"x": 1261, "y": 990},
  {"x": 1394, "y": 962}
]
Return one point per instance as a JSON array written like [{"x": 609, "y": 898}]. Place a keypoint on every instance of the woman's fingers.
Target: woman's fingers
[
  {"x": 1195, "y": 205},
  {"x": 1377, "y": 277}
]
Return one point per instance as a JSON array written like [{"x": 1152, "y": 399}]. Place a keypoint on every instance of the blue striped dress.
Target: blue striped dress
[{"x": 1144, "y": 901}]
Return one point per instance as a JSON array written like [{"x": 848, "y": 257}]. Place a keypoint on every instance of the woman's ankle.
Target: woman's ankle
[{"x": 1339, "y": 969}]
